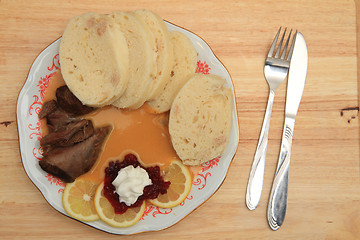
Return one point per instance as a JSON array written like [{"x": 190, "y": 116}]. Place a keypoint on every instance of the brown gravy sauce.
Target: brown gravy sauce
[
  {"x": 138, "y": 131},
  {"x": 141, "y": 132}
]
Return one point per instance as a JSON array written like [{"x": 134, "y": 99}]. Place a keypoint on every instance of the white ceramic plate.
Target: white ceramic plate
[{"x": 29, "y": 104}]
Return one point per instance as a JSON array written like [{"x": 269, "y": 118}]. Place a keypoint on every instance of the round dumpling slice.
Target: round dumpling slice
[
  {"x": 185, "y": 57},
  {"x": 141, "y": 59},
  {"x": 94, "y": 59},
  {"x": 164, "y": 50},
  {"x": 200, "y": 119}
]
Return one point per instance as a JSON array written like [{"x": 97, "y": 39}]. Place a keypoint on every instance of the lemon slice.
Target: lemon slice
[
  {"x": 78, "y": 200},
  {"x": 106, "y": 211},
  {"x": 180, "y": 184}
]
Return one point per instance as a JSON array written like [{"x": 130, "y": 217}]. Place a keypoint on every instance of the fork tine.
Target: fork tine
[
  {"x": 286, "y": 45},
  {"x": 279, "y": 47},
  {"x": 272, "y": 48},
  {"x": 291, "y": 47}
]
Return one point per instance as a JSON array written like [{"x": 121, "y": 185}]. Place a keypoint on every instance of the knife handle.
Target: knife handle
[
  {"x": 279, "y": 191},
  {"x": 256, "y": 177}
]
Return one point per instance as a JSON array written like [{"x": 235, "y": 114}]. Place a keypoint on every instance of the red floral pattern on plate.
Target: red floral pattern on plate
[
  {"x": 55, "y": 63},
  {"x": 156, "y": 210},
  {"x": 201, "y": 180},
  {"x": 36, "y": 130},
  {"x": 212, "y": 163},
  {"x": 37, "y": 153},
  {"x": 54, "y": 180},
  {"x": 148, "y": 210},
  {"x": 202, "y": 67},
  {"x": 161, "y": 211},
  {"x": 187, "y": 198},
  {"x": 44, "y": 83},
  {"x": 35, "y": 107}
]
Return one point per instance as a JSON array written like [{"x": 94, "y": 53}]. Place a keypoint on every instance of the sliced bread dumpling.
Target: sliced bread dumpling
[
  {"x": 200, "y": 119},
  {"x": 185, "y": 58},
  {"x": 164, "y": 50},
  {"x": 141, "y": 59},
  {"x": 94, "y": 59}
]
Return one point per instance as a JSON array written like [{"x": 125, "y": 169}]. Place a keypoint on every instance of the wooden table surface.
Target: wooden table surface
[{"x": 324, "y": 192}]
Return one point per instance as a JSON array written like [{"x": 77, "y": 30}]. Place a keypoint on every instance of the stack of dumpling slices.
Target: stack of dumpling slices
[{"x": 126, "y": 59}]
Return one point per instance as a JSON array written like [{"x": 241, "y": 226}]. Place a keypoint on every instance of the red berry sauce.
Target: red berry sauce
[{"x": 150, "y": 192}]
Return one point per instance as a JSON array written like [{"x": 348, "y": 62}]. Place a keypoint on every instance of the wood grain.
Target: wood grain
[{"x": 324, "y": 193}]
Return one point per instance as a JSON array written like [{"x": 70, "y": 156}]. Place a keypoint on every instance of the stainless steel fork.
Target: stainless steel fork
[{"x": 276, "y": 70}]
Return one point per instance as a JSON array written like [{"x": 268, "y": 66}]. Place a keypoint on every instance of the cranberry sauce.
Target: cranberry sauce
[{"x": 158, "y": 186}]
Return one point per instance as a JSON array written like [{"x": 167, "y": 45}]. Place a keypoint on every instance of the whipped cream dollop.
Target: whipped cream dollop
[{"x": 130, "y": 183}]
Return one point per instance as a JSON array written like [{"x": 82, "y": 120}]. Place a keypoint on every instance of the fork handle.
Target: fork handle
[
  {"x": 279, "y": 191},
  {"x": 256, "y": 177}
]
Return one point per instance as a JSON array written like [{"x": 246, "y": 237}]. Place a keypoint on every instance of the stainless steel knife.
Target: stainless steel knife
[{"x": 295, "y": 86}]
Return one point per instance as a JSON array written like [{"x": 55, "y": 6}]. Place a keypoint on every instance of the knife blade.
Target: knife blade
[{"x": 295, "y": 87}]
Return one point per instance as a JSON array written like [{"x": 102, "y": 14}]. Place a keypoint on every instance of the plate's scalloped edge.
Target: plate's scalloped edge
[{"x": 42, "y": 189}]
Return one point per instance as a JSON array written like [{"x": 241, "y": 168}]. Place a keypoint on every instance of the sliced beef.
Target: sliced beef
[
  {"x": 58, "y": 118},
  {"x": 84, "y": 133},
  {"x": 63, "y": 111},
  {"x": 70, "y": 103},
  {"x": 72, "y": 145},
  {"x": 68, "y": 163},
  {"x": 55, "y": 117},
  {"x": 47, "y": 108},
  {"x": 69, "y": 134}
]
